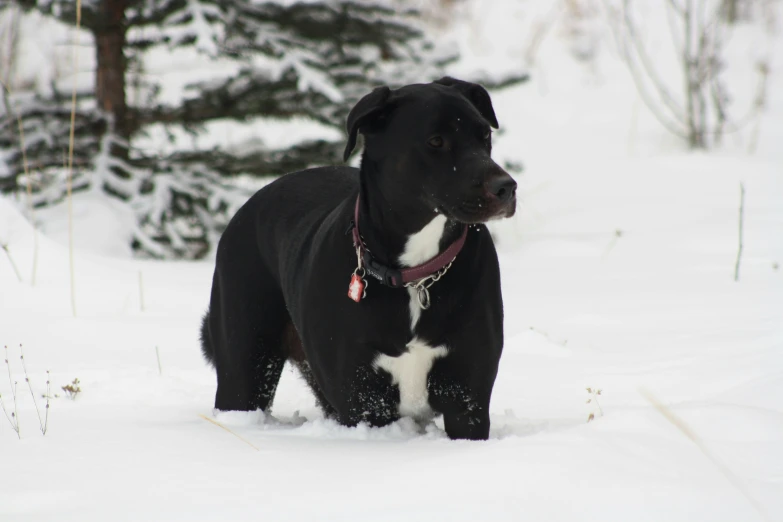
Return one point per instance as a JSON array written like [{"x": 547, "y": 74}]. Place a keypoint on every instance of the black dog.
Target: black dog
[{"x": 420, "y": 331}]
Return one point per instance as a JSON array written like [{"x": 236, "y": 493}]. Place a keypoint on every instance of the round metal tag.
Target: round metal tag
[{"x": 424, "y": 297}]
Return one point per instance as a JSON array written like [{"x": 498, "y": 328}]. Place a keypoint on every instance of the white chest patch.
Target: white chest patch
[
  {"x": 423, "y": 245},
  {"x": 409, "y": 372},
  {"x": 420, "y": 248}
]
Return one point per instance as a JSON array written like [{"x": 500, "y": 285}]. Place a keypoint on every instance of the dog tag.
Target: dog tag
[
  {"x": 356, "y": 288},
  {"x": 424, "y": 297}
]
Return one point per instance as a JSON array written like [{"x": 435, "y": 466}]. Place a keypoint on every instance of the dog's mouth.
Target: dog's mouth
[{"x": 479, "y": 210}]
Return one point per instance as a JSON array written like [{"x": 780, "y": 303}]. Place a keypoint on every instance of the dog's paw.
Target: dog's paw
[{"x": 240, "y": 418}]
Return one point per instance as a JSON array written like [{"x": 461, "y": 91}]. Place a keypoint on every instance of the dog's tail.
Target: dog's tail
[{"x": 206, "y": 342}]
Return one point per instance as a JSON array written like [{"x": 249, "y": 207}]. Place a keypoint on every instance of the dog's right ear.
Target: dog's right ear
[
  {"x": 476, "y": 94},
  {"x": 365, "y": 110}
]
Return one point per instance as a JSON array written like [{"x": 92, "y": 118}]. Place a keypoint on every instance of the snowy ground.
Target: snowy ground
[{"x": 655, "y": 308}]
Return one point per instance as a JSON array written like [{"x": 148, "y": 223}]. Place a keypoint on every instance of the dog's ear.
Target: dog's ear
[
  {"x": 476, "y": 94},
  {"x": 365, "y": 110}
]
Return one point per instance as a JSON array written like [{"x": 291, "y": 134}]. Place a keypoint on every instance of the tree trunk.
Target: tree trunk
[
  {"x": 110, "y": 72},
  {"x": 730, "y": 10}
]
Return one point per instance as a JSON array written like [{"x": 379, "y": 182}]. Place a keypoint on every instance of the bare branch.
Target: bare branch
[
  {"x": 675, "y": 127},
  {"x": 718, "y": 99},
  {"x": 675, "y": 30},
  {"x": 649, "y": 68},
  {"x": 676, "y": 7},
  {"x": 694, "y": 100}
]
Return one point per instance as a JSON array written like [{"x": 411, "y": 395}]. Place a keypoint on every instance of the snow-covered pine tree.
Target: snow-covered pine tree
[{"x": 310, "y": 59}]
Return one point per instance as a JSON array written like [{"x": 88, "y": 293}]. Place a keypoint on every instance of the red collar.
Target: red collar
[{"x": 397, "y": 278}]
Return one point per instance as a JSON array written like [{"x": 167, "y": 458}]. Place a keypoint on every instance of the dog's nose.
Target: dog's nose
[{"x": 504, "y": 188}]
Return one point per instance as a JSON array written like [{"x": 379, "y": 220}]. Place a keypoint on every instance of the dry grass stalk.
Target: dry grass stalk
[
  {"x": 48, "y": 397},
  {"x": 688, "y": 432},
  {"x": 70, "y": 154},
  {"x": 594, "y": 393},
  {"x": 13, "y": 416},
  {"x": 216, "y": 423},
  {"x": 29, "y": 191},
  {"x": 741, "y": 222},
  {"x": 10, "y": 58},
  {"x": 141, "y": 292},
  {"x": 42, "y": 423},
  {"x": 11, "y": 260}
]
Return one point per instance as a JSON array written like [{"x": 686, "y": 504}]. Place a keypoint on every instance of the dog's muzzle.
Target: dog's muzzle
[{"x": 503, "y": 190}]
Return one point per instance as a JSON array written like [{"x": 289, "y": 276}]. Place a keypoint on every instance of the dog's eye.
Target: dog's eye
[
  {"x": 487, "y": 135},
  {"x": 435, "y": 142}
]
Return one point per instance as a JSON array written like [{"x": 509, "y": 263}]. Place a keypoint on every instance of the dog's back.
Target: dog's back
[{"x": 289, "y": 210}]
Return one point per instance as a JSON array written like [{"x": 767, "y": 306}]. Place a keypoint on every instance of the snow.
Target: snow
[
  {"x": 235, "y": 137},
  {"x": 654, "y": 310},
  {"x": 40, "y": 61}
]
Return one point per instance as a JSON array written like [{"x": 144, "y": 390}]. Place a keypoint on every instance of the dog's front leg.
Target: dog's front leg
[
  {"x": 465, "y": 408},
  {"x": 470, "y": 425},
  {"x": 372, "y": 399}
]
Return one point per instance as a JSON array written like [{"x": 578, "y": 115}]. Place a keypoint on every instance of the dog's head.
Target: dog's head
[{"x": 434, "y": 142}]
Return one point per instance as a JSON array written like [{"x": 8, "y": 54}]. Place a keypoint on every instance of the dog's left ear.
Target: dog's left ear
[
  {"x": 476, "y": 94},
  {"x": 364, "y": 110}
]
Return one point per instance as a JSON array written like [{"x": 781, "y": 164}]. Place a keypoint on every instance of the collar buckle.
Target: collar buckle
[{"x": 386, "y": 275}]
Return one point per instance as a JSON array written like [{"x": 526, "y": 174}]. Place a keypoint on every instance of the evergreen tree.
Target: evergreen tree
[{"x": 311, "y": 60}]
